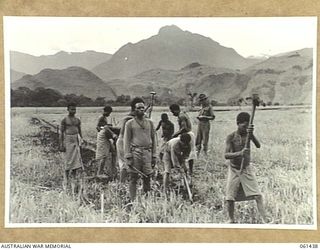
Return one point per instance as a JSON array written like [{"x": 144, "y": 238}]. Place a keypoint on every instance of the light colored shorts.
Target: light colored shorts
[
  {"x": 141, "y": 160},
  {"x": 193, "y": 153},
  {"x": 241, "y": 187}
]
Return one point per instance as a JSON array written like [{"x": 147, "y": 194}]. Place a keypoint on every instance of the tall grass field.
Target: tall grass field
[{"x": 283, "y": 167}]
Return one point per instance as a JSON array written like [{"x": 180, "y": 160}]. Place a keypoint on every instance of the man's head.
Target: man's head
[
  {"x": 139, "y": 109},
  {"x": 243, "y": 120},
  {"x": 72, "y": 108},
  {"x": 107, "y": 110},
  {"x": 134, "y": 102},
  {"x": 203, "y": 99},
  {"x": 175, "y": 109},
  {"x": 164, "y": 117}
]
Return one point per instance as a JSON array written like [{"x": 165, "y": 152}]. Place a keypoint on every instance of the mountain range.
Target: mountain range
[
  {"x": 72, "y": 80},
  {"x": 175, "y": 62},
  {"x": 29, "y": 64},
  {"x": 286, "y": 79},
  {"x": 171, "y": 49}
]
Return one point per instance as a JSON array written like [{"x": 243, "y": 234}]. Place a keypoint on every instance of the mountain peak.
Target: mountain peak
[{"x": 169, "y": 29}]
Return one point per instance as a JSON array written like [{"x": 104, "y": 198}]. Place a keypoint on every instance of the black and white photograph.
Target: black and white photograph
[{"x": 203, "y": 122}]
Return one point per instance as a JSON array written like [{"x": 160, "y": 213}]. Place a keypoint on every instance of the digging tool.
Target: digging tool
[
  {"x": 255, "y": 102},
  {"x": 152, "y": 93},
  {"x": 188, "y": 187},
  {"x": 138, "y": 171}
]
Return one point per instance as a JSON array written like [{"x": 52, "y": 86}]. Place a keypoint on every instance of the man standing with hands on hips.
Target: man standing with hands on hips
[{"x": 139, "y": 149}]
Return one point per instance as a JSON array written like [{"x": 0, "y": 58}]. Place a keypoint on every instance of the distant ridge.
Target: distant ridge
[
  {"x": 34, "y": 64},
  {"x": 171, "y": 49},
  {"x": 72, "y": 80},
  {"x": 283, "y": 79}
]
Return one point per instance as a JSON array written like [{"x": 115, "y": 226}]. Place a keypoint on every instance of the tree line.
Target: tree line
[{"x": 46, "y": 97}]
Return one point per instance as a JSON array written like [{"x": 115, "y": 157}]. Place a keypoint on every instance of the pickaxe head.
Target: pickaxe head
[
  {"x": 255, "y": 99},
  {"x": 153, "y": 93}
]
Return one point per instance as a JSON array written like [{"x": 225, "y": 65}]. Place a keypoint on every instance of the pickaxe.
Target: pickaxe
[
  {"x": 152, "y": 93},
  {"x": 256, "y": 101}
]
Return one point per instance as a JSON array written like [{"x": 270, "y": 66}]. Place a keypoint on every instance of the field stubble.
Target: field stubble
[{"x": 283, "y": 167}]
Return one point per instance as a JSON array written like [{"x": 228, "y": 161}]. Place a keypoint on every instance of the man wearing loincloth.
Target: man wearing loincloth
[
  {"x": 103, "y": 120},
  {"x": 106, "y": 152},
  {"x": 241, "y": 185},
  {"x": 70, "y": 139}
]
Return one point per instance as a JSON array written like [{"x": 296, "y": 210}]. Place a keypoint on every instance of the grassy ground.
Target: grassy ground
[{"x": 283, "y": 168}]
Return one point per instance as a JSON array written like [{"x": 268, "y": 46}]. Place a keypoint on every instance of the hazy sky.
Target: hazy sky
[{"x": 248, "y": 36}]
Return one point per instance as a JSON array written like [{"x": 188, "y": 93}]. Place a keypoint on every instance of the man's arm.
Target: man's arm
[
  {"x": 183, "y": 127},
  {"x": 159, "y": 125},
  {"x": 211, "y": 116},
  {"x": 61, "y": 136},
  {"x": 171, "y": 129},
  {"x": 99, "y": 124},
  {"x": 174, "y": 152},
  {"x": 109, "y": 133},
  {"x": 79, "y": 128},
  {"x": 127, "y": 140},
  {"x": 229, "y": 154},
  {"x": 154, "y": 144},
  {"x": 252, "y": 137}
]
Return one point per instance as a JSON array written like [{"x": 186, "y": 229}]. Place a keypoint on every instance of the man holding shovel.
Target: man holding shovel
[{"x": 241, "y": 181}]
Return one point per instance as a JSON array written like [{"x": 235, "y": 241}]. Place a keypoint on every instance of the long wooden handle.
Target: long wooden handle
[
  {"x": 247, "y": 145},
  {"x": 188, "y": 188}
]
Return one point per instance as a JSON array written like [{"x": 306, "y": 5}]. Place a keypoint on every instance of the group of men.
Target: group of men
[{"x": 134, "y": 146}]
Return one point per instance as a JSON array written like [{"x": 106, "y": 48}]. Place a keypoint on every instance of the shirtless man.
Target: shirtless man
[
  {"x": 184, "y": 127},
  {"x": 70, "y": 139},
  {"x": 241, "y": 185}
]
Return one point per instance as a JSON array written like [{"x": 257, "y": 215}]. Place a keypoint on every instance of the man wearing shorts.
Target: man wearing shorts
[
  {"x": 185, "y": 127},
  {"x": 139, "y": 149},
  {"x": 120, "y": 150},
  {"x": 176, "y": 152},
  {"x": 241, "y": 183}
]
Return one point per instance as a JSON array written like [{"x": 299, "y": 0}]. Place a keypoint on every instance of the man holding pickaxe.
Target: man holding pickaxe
[
  {"x": 241, "y": 181},
  {"x": 176, "y": 153}
]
